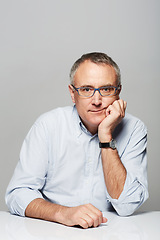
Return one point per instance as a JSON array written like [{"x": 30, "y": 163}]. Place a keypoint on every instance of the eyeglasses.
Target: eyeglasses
[{"x": 103, "y": 91}]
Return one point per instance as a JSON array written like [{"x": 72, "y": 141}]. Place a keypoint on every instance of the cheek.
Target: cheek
[
  {"x": 82, "y": 107},
  {"x": 109, "y": 101},
  {"x": 82, "y": 103}
]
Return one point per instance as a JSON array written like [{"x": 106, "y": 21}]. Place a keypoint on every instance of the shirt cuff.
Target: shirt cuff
[
  {"x": 131, "y": 197},
  {"x": 21, "y": 200}
]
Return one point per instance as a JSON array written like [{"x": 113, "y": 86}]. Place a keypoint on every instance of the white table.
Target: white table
[{"x": 140, "y": 226}]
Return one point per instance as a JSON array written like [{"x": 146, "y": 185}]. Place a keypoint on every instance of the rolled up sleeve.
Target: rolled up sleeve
[{"x": 30, "y": 173}]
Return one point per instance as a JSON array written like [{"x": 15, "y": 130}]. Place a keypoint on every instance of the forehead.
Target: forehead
[{"x": 89, "y": 73}]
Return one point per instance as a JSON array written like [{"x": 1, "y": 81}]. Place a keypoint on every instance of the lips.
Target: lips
[{"x": 97, "y": 110}]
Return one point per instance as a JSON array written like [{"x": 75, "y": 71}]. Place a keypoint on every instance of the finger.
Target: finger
[
  {"x": 88, "y": 218},
  {"x": 120, "y": 105},
  {"x": 83, "y": 223},
  {"x": 98, "y": 213},
  {"x": 123, "y": 107},
  {"x": 92, "y": 218},
  {"x": 109, "y": 109},
  {"x": 95, "y": 214},
  {"x": 114, "y": 109},
  {"x": 104, "y": 220}
]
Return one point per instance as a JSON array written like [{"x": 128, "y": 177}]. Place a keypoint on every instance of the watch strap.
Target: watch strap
[
  {"x": 111, "y": 144},
  {"x": 104, "y": 145}
]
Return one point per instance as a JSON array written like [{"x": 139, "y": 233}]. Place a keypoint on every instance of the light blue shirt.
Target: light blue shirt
[{"x": 60, "y": 161}]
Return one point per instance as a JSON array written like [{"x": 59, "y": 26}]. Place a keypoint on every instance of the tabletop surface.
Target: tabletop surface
[{"x": 140, "y": 226}]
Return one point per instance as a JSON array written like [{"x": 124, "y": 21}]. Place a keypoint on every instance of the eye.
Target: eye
[
  {"x": 106, "y": 89},
  {"x": 86, "y": 89}
]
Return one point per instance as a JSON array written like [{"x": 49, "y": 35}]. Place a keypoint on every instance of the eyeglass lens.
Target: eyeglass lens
[{"x": 104, "y": 91}]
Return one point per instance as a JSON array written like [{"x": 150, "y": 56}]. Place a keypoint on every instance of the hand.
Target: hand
[
  {"x": 84, "y": 215},
  {"x": 114, "y": 114}
]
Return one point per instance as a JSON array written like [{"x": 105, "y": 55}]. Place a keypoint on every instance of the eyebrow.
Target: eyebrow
[
  {"x": 87, "y": 86},
  {"x": 106, "y": 85}
]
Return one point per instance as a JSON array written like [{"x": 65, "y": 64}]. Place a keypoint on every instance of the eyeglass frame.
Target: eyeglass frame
[{"x": 97, "y": 89}]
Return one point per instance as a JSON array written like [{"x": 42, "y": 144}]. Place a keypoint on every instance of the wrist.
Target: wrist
[
  {"x": 59, "y": 215},
  {"x": 105, "y": 135},
  {"x": 105, "y": 138},
  {"x": 63, "y": 215}
]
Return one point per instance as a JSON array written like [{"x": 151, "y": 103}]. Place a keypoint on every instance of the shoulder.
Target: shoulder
[
  {"x": 130, "y": 133},
  {"x": 55, "y": 115},
  {"x": 50, "y": 124},
  {"x": 54, "y": 119},
  {"x": 134, "y": 122},
  {"x": 129, "y": 126}
]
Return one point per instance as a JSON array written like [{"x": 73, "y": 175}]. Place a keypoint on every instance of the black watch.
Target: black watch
[{"x": 111, "y": 144}]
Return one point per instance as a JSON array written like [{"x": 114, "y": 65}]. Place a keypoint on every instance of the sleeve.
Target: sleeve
[
  {"x": 134, "y": 158},
  {"x": 30, "y": 173}
]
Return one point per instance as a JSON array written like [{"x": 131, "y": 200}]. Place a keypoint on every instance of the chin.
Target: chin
[{"x": 96, "y": 121}]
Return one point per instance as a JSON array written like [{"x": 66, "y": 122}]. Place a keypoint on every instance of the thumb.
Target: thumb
[{"x": 104, "y": 220}]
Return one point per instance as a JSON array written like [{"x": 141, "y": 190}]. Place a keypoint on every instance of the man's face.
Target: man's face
[{"x": 92, "y": 110}]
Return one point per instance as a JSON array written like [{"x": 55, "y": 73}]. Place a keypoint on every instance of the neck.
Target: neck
[{"x": 92, "y": 129}]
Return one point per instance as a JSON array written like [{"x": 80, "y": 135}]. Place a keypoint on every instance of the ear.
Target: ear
[
  {"x": 119, "y": 90},
  {"x": 71, "y": 92}
]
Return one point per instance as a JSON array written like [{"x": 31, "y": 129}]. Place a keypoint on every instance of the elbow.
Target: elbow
[
  {"x": 130, "y": 204},
  {"x": 125, "y": 211}
]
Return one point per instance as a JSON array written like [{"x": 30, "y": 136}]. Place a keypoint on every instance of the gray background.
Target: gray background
[{"x": 39, "y": 41}]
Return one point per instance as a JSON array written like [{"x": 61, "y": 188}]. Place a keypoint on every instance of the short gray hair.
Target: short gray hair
[{"x": 97, "y": 58}]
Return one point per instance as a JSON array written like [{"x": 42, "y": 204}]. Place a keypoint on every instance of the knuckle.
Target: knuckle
[
  {"x": 100, "y": 214},
  {"x": 88, "y": 205},
  {"x": 82, "y": 208},
  {"x": 96, "y": 218}
]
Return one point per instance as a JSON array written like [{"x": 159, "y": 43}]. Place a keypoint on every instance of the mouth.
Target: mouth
[{"x": 97, "y": 110}]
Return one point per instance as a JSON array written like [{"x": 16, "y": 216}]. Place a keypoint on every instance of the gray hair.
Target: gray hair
[{"x": 97, "y": 58}]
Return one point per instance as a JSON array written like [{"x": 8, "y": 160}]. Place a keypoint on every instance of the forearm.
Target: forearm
[
  {"x": 84, "y": 215},
  {"x": 42, "y": 209},
  {"x": 114, "y": 172}
]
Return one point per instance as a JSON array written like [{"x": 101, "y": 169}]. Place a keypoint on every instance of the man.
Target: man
[{"x": 70, "y": 168}]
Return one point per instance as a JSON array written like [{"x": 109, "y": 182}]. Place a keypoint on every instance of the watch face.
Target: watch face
[{"x": 113, "y": 144}]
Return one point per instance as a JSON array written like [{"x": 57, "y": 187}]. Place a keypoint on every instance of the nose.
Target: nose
[{"x": 97, "y": 98}]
